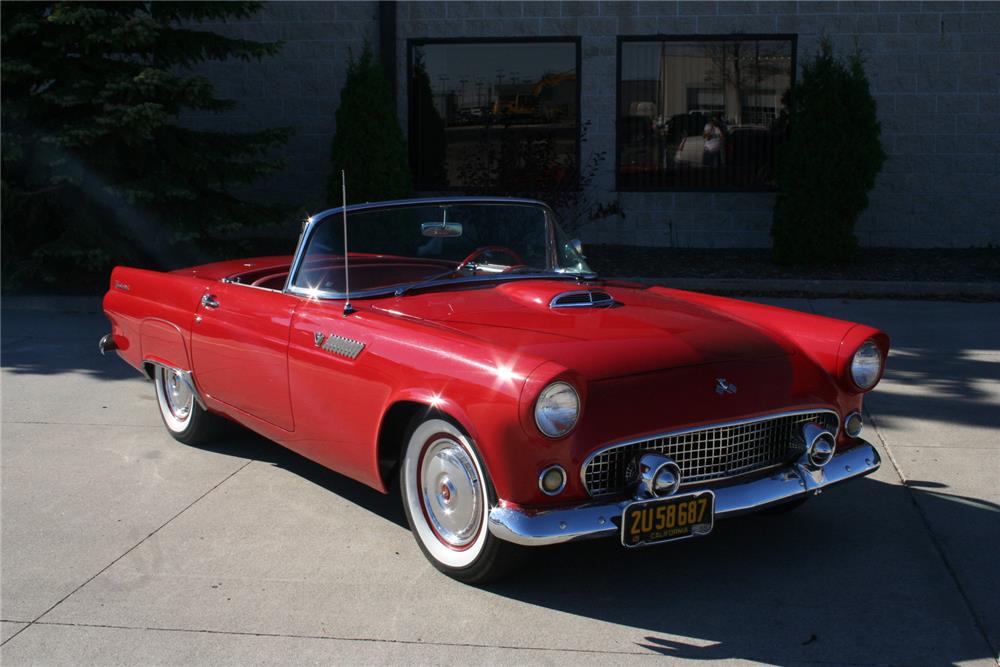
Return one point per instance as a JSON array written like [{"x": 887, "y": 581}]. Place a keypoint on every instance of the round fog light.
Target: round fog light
[
  {"x": 552, "y": 480},
  {"x": 853, "y": 424},
  {"x": 667, "y": 480},
  {"x": 821, "y": 451},
  {"x": 659, "y": 476}
]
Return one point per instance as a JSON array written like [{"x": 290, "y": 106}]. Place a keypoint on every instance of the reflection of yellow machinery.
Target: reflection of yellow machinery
[
  {"x": 555, "y": 93},
  {"x": 516, "y": 102},
  {"x": 548, "y": 99}
]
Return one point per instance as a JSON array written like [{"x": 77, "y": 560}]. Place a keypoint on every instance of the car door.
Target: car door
[
  {"x": 239, "y": 343},
  {"x": 339, "y": 385}
]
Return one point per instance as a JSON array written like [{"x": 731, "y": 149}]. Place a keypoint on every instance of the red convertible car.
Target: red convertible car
[{"x": 463, "y": 345}]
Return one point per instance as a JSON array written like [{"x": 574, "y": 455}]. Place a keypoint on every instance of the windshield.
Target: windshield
[{"x": 393, "y": 249}]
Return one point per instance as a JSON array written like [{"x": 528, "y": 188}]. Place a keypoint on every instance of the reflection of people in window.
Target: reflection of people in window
[{"x": 712, "y": 156}]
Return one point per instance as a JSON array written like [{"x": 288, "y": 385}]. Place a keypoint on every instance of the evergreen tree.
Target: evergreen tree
[
  {"x": 829, "y": 163},
  {"x": 97, "y": 169},
  {"x": 427, "y": 159},
  {"x": 369, "y": 143}
]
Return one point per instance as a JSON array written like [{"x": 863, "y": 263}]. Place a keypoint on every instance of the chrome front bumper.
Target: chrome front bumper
[{"x": 538, "y": 528}]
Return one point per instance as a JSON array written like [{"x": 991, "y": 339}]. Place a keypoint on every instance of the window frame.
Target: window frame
[
  {"x": 414, "y": 42},
  {"x": 793, "y": 38}
]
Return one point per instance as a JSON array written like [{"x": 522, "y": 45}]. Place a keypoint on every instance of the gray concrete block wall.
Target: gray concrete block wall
[
  {"x": 934, "y": 69},
  {"x": 299, "y": 88}
]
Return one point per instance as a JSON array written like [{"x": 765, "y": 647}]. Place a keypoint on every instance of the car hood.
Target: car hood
[{"x": 641, "y": 332}]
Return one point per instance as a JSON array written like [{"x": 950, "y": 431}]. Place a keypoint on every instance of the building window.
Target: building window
[
  {"x": 494, "y": 116},
  {"x": 701, "y": 113}
]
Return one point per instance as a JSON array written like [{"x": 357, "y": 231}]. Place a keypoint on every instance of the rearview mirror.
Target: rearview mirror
[{"x": 441, "y": 229}]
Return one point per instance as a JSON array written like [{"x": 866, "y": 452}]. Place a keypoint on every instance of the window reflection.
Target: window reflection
[
  {"x": 702, "y": 114},
  {"x": 493, "y": 117}
]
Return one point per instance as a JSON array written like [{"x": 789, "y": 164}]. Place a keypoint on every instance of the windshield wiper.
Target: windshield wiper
[
  {"x": 426, "y": 281},
  {"x": 438, "y": 281}
]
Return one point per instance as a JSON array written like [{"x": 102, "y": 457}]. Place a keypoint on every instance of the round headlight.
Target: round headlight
[
  {"x": 557, "y": 409},
  {"x": 866, "y": 365}
]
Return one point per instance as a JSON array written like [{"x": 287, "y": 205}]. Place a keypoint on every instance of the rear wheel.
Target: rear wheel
[
  {"x": 447, "y": 496},
  {"x": 184, "y": 418}
]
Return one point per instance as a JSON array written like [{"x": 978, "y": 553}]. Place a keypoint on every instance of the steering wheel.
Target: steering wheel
[{"x": 491, "y": 248}]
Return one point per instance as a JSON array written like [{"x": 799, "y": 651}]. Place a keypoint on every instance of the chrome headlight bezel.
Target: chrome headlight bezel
[
  {"x": 546, "y": 420},
  {"x": 866, "y": 365}
]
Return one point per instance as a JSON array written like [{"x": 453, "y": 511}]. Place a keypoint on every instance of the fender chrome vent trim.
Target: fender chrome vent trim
[
  {"x": 344, "y": 347},
  {"x": 582, "y": 299}
]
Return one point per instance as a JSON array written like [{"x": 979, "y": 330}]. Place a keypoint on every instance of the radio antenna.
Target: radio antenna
[{"x": 348, "y": 308}]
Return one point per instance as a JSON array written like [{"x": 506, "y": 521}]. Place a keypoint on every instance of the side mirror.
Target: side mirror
[{"x": 577, "y": 246}]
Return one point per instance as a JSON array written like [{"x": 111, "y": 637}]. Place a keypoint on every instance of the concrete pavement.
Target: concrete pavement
[{"x": 122, "y": 546}]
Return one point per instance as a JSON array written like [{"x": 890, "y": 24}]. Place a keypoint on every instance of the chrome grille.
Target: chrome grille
[{"x": 706, "y": 454}]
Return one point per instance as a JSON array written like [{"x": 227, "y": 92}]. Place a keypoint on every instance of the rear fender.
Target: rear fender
[
  {"x": 151, "y": 315},
  {"x": 163, "y": 343}
]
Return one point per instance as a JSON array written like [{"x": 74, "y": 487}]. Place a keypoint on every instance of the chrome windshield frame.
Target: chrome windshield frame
[{"x": 313, "y": 221}]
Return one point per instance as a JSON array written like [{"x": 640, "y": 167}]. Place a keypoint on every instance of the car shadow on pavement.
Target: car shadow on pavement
[
  {"x": 239, "y": 442},
  {"x": 45, "y": 343},
  {"x": 841, "y": 579},
  {"x": 851, "y": 576}
]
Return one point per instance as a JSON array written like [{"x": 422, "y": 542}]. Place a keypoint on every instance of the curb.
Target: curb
[{"x": 896, "y": 289}]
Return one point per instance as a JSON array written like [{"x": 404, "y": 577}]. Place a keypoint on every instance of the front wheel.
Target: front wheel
[
  {"x": 447, "y": 496},
  {"x": 184, "y": 418}
]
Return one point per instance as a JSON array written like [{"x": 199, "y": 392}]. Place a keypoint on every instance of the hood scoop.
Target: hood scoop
[{"x": 582, "y": 299}]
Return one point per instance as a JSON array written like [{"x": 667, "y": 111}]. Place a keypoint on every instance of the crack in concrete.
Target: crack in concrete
[
  {"x": 44, "y": 423},
  {"x": 379, "y": 640},
  {"x": 128, "y": 551}
]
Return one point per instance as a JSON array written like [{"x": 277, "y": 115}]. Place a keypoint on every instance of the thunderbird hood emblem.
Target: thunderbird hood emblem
[{"x": 724, "y": 386}]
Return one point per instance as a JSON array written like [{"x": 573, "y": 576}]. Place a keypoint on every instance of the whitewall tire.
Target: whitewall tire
[
  {"x": 184, "y": 418},
  {"x": 447, "y": 496}
]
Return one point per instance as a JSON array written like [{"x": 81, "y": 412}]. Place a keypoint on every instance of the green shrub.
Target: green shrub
[
  {"x": 369, "y": 143},
  {"x": 828, "y": 164}
]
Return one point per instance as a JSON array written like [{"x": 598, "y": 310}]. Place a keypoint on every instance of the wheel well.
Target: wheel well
[
  {"x": 149, "y": 370},
  {"x": 390, "y": 436}
]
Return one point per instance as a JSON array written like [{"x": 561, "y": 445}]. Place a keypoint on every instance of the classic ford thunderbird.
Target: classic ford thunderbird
[{"x": 463, "y": 346}]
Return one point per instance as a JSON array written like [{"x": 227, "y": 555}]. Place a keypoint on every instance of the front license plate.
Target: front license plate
[{"x": 668, "y": 519}]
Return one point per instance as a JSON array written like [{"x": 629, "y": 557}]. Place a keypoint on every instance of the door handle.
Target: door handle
[{"x": 209, "y": 301}]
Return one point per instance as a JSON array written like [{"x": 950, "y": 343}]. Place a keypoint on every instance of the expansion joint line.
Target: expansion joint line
[
  {"x": 976, "y": 620},
  {"x": 129, "y": 550}
]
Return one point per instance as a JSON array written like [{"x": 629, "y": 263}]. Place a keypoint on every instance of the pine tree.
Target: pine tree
[
  {"x": 369, "y": 143},
  {"x": 829, "y": 163},
  {"x": 427, "y": 137},
  {"x": 97, "y": 167}
]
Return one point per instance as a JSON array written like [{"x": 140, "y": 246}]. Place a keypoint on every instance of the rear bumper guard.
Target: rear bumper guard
[
  {"x": 539, "y": 528},
  {"x": 107, "y": 344}
]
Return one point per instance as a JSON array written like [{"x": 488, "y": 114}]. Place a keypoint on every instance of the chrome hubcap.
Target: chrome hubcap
[
  {"x": 178, "y": 394},
  {"x": 451, "y": 492}
]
